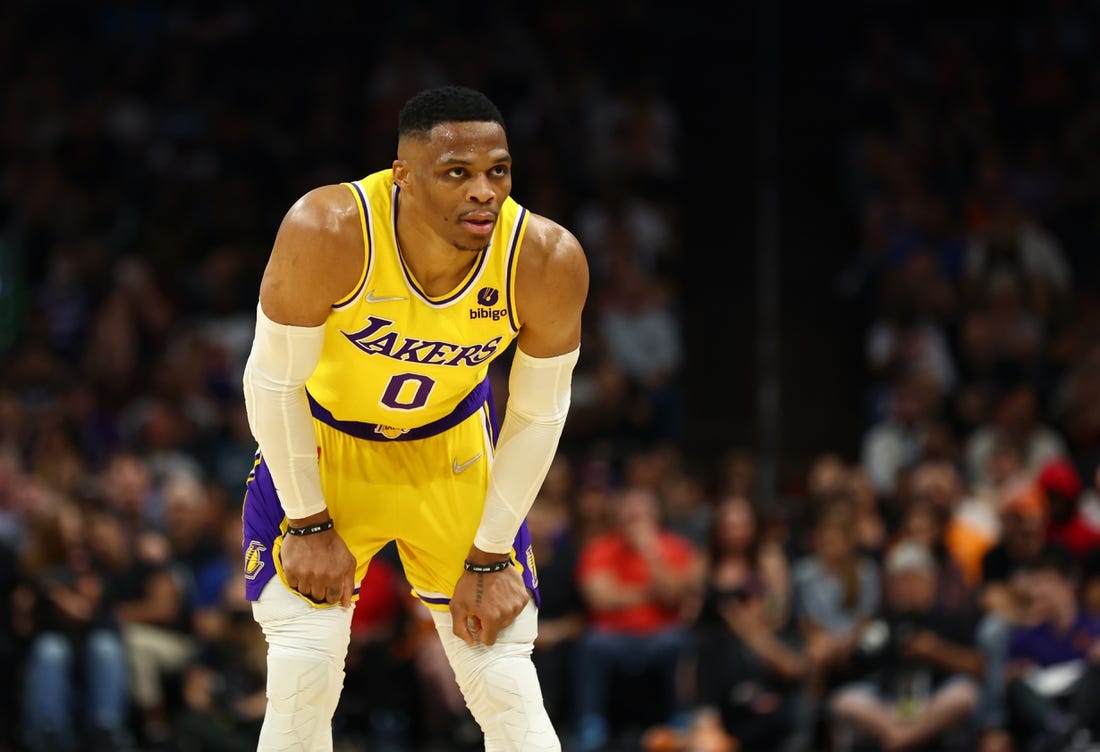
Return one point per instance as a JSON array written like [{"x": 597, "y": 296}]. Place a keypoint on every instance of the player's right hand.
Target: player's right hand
[{"x": 319, "y": 566}]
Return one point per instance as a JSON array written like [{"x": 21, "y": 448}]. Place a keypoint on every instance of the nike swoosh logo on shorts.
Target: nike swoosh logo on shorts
[
  {"x": 383, "y": 298},
  {"x": 458, "y": 468}
]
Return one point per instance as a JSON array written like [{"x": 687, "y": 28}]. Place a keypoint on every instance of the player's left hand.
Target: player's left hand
[{"x": 483, "y": 604}]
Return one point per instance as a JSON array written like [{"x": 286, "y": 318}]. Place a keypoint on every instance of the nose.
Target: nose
[{"x": 480, "y": 189}]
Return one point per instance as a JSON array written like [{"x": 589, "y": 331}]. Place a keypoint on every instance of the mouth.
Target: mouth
[{"x": 479, "y": 223}]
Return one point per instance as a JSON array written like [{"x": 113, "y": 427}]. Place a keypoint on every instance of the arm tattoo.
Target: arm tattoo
[{"x": 480, "y": 587}]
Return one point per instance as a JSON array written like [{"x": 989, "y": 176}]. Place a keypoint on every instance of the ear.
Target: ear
[{"x": 400, "y": 173}]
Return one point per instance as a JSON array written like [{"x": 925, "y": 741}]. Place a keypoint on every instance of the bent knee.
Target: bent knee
[
  {"x": 506, "y": 701},
  {"x": 303, "y": 691},
  {"x": 848, "y": 701}
]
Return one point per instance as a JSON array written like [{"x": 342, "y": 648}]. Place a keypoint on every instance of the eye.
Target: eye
[
  {"x": 457, "y": 172},
  {"x": 499, "y": 171}
]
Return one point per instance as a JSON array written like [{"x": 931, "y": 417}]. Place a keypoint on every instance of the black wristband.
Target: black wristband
[
  {"x": 320, "y": 527},
  {"x": 499, "y": 566}
]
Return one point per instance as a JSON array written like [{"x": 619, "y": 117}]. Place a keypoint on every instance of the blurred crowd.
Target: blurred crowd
[{"x": 936, "y": 587}]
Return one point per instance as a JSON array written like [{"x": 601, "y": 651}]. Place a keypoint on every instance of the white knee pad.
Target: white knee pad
[
  {"x": 302, "y": 694},
  {"x": 500, "y": 685},
  {"x": 305, "y": 669}
]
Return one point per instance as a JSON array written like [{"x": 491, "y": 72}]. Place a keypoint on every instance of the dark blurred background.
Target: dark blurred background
[{"x": 842, "y": 254}]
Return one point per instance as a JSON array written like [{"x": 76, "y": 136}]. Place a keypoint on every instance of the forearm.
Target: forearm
[
  {"x": 788, "y": 663},
  {"x": 667, "y": 586},
  {"x": 146, "y": 612},
  {"x": 282, "y": 359},
  {"x": 958, "y": 659},
  {"x": 71, "y": 604},
  {"x": 538, "y": 403},
  {"x": 604, "y": 593}
]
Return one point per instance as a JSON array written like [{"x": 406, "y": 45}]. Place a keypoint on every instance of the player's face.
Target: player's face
[{"x": 457, "y": 181}]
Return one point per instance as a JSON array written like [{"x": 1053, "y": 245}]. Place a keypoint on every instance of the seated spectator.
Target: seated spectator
[
  {"x": 872, "y": 531},
  {"x": 1067, "y": 526},
  {"x": 747, "y": 659},
  {"x": 836, "y": 592},
  {"x": 923, "y": 523},
  {"x": 1016, "y": 418},
  {"x": 224, "y": 687},
  {"x": 75, "y": 683},
  {"x": 1001, "y": 593},
  {"x": 154, "y": 617},
  {"x": 968, "y": 525},
  {"x": 1053, "y": 692},
  {"x": 922, "y": 666},
  {"x": 896, "y": 441},
  {"x": 636, "y": 581}
]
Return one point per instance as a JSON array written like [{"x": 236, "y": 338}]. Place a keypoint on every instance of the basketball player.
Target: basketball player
[{"x": 381, "y": 307}]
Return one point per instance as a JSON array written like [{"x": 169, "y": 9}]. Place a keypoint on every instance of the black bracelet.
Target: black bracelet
[
  {"x": 499, "y": 566},
  {"x": 320, "y": 527}
]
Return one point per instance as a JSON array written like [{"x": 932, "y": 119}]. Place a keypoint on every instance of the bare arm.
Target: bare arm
[
  {"x": 604, "y": 592},
  {"x": 962, "y": 659},
  {"x": 316, "y": 258},
  {"x": 551, "y": 289},
  {"x": 160, "y": 605},
  {"x": 749, "y": 620},
  {"x": 671, "y": 586}
]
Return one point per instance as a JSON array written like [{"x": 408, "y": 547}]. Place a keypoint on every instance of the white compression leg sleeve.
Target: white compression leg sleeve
[
  {"x": 306, "y": 650},
  {"x": 500, "y": 685}
]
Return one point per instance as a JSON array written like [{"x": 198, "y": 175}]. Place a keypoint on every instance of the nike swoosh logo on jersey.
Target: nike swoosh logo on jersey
[
  {"x": 458, "y": 468},
  {"x": 383, "y": 298}
]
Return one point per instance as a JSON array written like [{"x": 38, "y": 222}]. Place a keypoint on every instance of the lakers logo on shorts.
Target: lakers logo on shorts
[
  {"x": 390, "y": 432},
  {"x": 252, "y": 561},
  {"x": 531, "y": 567}
]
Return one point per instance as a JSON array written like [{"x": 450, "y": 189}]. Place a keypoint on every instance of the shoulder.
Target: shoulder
[
  {"x": 327, "y": 210},
  {"x": 805, "y": 569},
  {"x": 316, "y": 258},
  {"x": 552, "y": 255},
  {"x": 547, "y": 242},
  {"x": 551, "y": 288}
]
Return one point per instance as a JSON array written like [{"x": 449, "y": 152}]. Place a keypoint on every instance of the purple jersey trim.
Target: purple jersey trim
[
  {"x": 509, "y": 275},
  {"x": 469, "y": 405},
  {"x": 369, "y": 245}
]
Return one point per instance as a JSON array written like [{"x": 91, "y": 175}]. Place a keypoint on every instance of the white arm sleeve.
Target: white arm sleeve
[
  {"x": 282, "y": 359},
  {"x": 538, "y": 403}
]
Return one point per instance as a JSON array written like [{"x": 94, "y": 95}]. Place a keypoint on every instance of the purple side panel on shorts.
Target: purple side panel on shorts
[
  {"x": 262, "y": 517},
  {"x": 522, "y": 547}
]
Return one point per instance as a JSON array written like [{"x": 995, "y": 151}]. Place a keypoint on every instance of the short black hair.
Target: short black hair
[{"x": 445, "y": 104}]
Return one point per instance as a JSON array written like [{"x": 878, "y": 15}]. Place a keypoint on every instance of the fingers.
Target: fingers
[
  {"x": 460, "y": 624},
  {"x": 348, "y": 589},
  {"x": 488, "y": 633},
  {"x": 318, "y": 592}
]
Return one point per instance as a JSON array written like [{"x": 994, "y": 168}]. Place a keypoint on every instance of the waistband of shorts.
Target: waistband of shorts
[{"x": 469, "y": 405}]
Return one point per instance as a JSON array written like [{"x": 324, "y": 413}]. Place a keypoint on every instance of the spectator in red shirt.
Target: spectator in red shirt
[
  {"x": 638, "y": 582},
  {"x": 1066, "y": 525}
]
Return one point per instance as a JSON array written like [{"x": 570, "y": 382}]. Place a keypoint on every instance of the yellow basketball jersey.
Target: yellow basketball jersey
[{"x": 397, "y": 358}]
